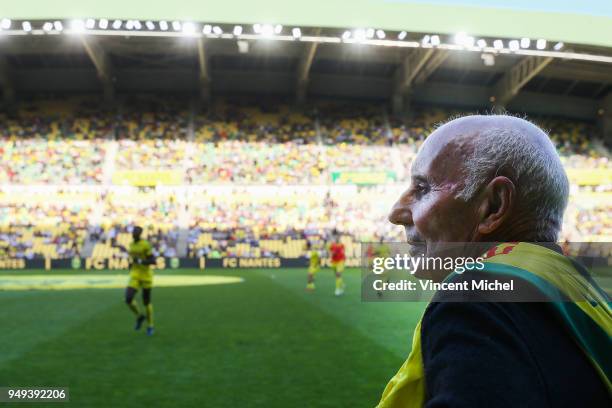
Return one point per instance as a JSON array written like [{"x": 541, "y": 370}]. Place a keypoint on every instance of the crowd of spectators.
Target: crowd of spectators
[
  {"x": 255, "y": 151},
  {"x": 571, "y": 137},
  {"x": 233, "y": 221},
  {"x": 115, "y": 238},
  {"x": 54, "y": 142},
  {"x": 243, "y": 141},
  {"x": 263, "y": 163},
  {"x": 118, "y": 213},
  {"x": 153, "y": 154},
  {"x": 37, "y": 229},
  {"x": 236, "y": 221},
  {"x": 255, "y": 121},
  {"x": 148, "y": 117},
  {"x": 33, "y": 161},
  {"x": 54, "y": 119}
]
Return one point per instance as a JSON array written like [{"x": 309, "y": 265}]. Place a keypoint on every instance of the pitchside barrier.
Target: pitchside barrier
[{"x": 162, "y": 263}]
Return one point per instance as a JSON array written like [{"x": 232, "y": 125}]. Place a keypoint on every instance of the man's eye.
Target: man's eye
[{"x": 420, "y": 188}]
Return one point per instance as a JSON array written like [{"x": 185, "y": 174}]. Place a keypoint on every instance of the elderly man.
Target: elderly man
[{"x": 498, "y": 179}]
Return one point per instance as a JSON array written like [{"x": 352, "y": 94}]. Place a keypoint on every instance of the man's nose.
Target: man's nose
[{"x": 400, "y": 213}]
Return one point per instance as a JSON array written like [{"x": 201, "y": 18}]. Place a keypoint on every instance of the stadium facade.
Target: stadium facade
[{"x": 204, "y": 126}]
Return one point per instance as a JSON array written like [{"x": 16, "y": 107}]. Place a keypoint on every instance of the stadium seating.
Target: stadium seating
[
  {"x": 43, "y": 224},
  {"x": 63, "y": 162},
  {"x": 243, "y": 180},
  {"x": 226, "y": 143},
  {"x": 251, "y": 121},
  {"x": 120, "y": 210},
  {"x": 143, "y": 117}
]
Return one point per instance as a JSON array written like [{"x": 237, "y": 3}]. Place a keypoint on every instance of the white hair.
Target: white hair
[{"x": 542, "y": 187}]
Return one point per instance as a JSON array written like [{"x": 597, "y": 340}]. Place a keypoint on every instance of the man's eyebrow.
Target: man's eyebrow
[{"x": 419, "y": 177}]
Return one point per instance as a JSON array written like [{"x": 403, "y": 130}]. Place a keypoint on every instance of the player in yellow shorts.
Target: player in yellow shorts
[
  {"x": 141, "y": 276},
  {"x": 313, "y": 267}
]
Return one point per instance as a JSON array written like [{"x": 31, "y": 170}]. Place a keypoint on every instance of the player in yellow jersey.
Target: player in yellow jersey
[
  {"x": 313, "y": 267},
  {"x": 141, "y": 276}
]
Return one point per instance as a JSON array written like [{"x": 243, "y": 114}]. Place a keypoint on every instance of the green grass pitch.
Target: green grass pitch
[{"x": 264, "y": 342}]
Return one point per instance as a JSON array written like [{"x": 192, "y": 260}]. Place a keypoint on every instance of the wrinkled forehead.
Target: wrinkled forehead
[{"x": 443, "y": 153}]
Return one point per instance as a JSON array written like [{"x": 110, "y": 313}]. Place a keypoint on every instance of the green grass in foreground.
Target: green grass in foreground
[{"x": 264, "y": 342}]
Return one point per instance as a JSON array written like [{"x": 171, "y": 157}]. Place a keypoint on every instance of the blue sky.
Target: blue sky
[{"x": 589, "y": 7}]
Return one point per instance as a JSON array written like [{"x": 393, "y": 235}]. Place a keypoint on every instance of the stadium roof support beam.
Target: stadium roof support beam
[
  {"x": 511, "y": 83},
  {"x": 415, "y": 68},
  {"x": 6, "y": 74},
  {"x": 204, "y": 72},
  {"x": 432, "y": 65},
  {"x": 103, "y": 65},
  {"x": 304, "y": 65}
]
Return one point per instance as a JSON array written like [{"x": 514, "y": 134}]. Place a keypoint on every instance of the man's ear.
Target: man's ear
[{"x": 497, "y": 201}]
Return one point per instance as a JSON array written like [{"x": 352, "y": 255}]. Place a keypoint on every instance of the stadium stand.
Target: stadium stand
[
  {"x": 51, "y": 224},
  {"x": 34, "y": 161},
  {"x": 254, "y": 121},
  {"x": 240, "y": 180}
]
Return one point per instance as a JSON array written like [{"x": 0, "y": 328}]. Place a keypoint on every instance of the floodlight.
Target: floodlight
[
  {"x": 541, "y": 44},
  {"x": 267, "y": 30},
  {"x": 359, "y": 34},
  {"x": 525, "y": 42},
  {"x": 460, "y": 38},
  {"x": 189, "y": 28},
  {"x": 77, "y": 26}
]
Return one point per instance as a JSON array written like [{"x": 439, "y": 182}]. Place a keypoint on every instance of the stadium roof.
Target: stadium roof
[{"x": 229, "y": 64}]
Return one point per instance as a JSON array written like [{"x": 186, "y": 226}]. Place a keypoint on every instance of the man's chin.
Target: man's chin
[
  {"x": 423, "y": 250},
  {"x": 416, "y": 248},
  {"x": 431, "y": 274},
  {"x": 433, "y": 250}
]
